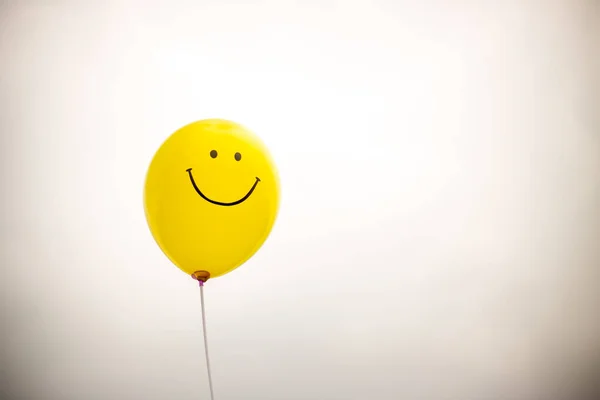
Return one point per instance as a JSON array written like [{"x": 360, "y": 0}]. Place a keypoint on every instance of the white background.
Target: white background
[{"x": 438, "y": 233}]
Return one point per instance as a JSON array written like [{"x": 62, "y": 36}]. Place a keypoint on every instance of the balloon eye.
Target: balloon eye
[
  {"x": 213, "y": 153},
  {"x": 238, "y": 156}
]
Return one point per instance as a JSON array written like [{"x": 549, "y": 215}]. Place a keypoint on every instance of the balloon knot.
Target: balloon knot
[{"x": 201, "y": 276}]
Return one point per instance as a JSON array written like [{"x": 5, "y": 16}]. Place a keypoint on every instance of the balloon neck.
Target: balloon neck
[{"x": 201, "y": 276}]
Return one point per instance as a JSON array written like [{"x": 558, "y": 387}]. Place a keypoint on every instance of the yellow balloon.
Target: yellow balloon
[{"x": 211, "y": 196}]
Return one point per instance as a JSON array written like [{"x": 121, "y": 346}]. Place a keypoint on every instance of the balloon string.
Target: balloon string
[{"x": 210, "y": 385}]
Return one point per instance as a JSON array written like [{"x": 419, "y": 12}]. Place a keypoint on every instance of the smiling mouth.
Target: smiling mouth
[{"x": 219, "y": 203}]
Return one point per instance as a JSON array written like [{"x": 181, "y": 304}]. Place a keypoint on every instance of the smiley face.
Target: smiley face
[
  {"x": 219, "y": 203},
  {"x": 211, "y": 196}
]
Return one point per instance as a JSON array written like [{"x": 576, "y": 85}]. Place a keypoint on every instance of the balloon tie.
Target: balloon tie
[{"x": 210, "y": 385}]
